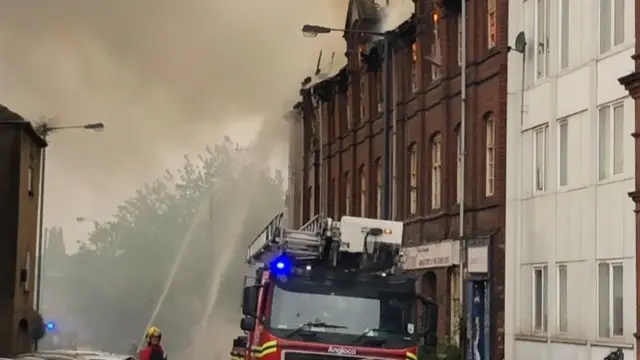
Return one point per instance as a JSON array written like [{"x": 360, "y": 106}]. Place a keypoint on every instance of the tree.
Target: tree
[{"x": 203, "y": 215}]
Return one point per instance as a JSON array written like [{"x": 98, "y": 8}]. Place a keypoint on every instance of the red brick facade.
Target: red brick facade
[{"x": 428, "y": 110}]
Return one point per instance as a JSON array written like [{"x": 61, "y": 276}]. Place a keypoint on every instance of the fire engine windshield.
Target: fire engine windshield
[{"x": 351, "y": 310}]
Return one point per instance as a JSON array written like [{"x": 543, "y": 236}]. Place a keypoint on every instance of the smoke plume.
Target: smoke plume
[{"x": 166, "y": 77}]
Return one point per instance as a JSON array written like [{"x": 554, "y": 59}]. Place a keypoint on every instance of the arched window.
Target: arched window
[
  {"x": 490, "y": 156},
  {"x": 436, "y": 171},
  {"x": 347, "y": 194},
  {"x": 379, "y": 188},
  {"x": 413, "y": 179},
  {"x": 363, "y": 192}
]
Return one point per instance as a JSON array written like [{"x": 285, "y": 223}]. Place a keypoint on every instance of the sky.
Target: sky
[{"x": 166, "y": 78}]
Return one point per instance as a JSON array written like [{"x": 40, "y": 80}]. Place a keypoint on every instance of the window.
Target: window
[
  {"x": 26, "y": 285},
  {"x": 347, "y": 194},
  {"x": 490, "y": 166},
  {"x": 562, "y": 299},
  {"x": 379, "y": 188},
  {"x": 540, "y": 299},
  {"x": 413, "y": 179},
  {"x": 610, "y": 140},
  {"x": 436, "y": 170},
  {"x": 31, "y": 181},
  {"x": 414, "y": 67},
  {"x": 610, "y": 300},
  {"x": 458, "y": 167},
  {"x": 363, "y": 97},
  {"x": 460, "y": 40},
  {"x": 349, "y": 114},
  {"x": 491, "y": 23},
  {"x": 542, "y": 38},
  {"x": 540, "y": 158},
  {"x": 363, "y": 192},
  {"x": 611, "y": 24},
  {"x": 564, "y": 33},
  {"x": 436, "y": 71},
  {"x": 563, "y": 152}
]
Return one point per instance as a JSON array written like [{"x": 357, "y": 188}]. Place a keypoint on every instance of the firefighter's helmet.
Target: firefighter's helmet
[{"x": 153, "y": 332}]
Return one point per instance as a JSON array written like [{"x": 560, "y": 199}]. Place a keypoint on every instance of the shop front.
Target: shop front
[{"x": 436, "y": 264}]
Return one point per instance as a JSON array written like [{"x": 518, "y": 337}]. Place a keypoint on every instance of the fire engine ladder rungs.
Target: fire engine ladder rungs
[{"x": 274, "y": 240}]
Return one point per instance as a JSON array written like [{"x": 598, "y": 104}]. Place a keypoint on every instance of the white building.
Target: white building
[{"x": 570, "y": 163}]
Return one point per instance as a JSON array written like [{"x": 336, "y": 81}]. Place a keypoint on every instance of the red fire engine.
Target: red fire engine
[{"x": 333, "y": 290}]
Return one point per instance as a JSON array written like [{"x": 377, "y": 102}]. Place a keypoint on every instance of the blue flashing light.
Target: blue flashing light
[
  {"x": 281, "y": 265},
  {"x": 50, "y": 325}
]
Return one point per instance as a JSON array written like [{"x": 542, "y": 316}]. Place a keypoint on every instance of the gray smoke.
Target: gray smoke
[{"x": 165, "y": 76}]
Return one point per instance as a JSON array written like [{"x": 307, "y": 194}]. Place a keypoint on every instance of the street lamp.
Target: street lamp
[
  {"x": 388, "y": 36},
  {"x": 45, "y": 129}
]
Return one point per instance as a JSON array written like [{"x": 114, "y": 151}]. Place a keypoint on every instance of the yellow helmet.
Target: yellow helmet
[{"x": 153, "y": 332}]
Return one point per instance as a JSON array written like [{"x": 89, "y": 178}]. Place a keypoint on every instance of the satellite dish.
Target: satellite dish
[{"x": 521, "y": 43}]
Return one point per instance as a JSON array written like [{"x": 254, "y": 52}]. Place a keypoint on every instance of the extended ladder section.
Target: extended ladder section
[
  {"x": 304, "y": 244},
  {"x": 354, "y": 236}
]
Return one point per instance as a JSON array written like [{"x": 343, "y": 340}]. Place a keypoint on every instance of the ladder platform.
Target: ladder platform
[{"x": 274, "y": 240}]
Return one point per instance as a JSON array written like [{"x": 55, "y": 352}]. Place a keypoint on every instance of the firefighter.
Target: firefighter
[{"x": 153, "y": 350}]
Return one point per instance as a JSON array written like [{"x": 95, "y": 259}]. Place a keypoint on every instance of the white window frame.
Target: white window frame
[
  {"x": 363, "y": 191},
  {"x": 541, "y": 40},
  {"x": 436, "y": 172},
  {"x": 492, "y": 28},
  {"x": 31, "y": 180},
  {"x": 616, "y": 25},
  {"x": 413, "y": 179},
  {"x": 539, "y": 328},
  {"x": 347, "y": 194},
  {"x": 436, "y": 53},
  {"x": 540, "y": 174},
  {"x": 562, "y": 301},
  {"x": 564, "y": 35},
  {"x": 458, "y": 167},
  {"x": 563, "y": 154},
  {"x": 490, "y": 156},
  {"x": 611, "y": 162},
  {"x": 459, "y": 39},
  {"x": 611, "y": 298}
]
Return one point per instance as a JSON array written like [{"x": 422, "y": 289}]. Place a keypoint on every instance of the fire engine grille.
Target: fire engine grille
[{"x": 309, "y": 356}]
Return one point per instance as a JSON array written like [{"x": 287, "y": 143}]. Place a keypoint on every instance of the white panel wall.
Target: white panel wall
[{"x": 585, "y": 221}]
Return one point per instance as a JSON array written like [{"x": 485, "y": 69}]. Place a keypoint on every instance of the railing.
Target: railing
[{"x": 265, "y": 236}]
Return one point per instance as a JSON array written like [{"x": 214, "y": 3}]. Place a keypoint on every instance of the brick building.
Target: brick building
[
  {"x": 344, "y": 114},
  {"x": 632, "y": 83},
  {"x": 20, "y": 153}
]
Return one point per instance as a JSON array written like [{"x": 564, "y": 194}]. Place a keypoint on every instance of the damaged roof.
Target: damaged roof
[
  {"x": 14, "y": 119},
  {"x": 360, "y": 10}
]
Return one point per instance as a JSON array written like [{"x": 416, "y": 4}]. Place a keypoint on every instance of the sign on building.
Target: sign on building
[{"x": 442, "y": 254}]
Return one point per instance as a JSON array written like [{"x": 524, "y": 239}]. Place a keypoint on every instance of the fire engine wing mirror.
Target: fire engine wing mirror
[
  {"x": 250, "y": 301},
  {"x": 429, "y": 321},
  {"x": 248, "y": 323}
]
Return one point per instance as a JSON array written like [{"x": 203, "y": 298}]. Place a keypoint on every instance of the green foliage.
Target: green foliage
[{"x": 215, "y": 203}]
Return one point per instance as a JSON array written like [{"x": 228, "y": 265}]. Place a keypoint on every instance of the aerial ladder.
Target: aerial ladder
[{"x": 351, "y": 243}]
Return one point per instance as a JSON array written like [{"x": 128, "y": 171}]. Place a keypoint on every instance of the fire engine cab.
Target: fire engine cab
[{"x": 332, "y": 290}]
